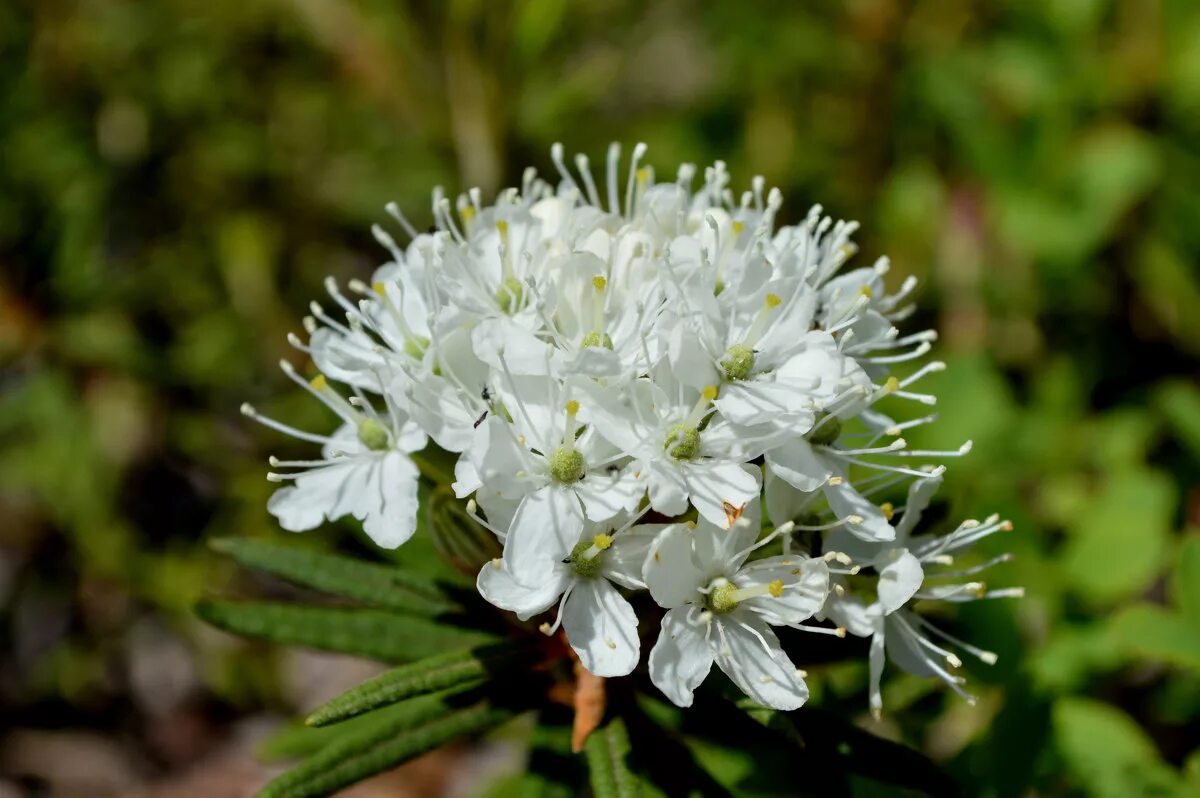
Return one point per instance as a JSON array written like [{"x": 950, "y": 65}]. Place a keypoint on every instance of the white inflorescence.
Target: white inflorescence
[{"x": 629, "y": 375}]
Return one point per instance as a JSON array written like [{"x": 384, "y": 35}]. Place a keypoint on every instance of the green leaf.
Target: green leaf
[
  {"x": 607, "y": 750},
  {"x": 1158, "y": 633},
  {"x": 295, "y": 741},
  {"x": 1187, "y": 580},
  {"x": 370, "y": 583},
  {"x": 354, "y": 757},
  {"x": 1109, "y": 753},
  {"x": 453, "y": 669},
  {"x": 1132, "y": 514},
  {"x": 368, "y": 632},
  {"x": 1179, "y": 402}
]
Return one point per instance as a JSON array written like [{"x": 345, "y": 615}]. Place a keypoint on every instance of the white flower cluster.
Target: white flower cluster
[{"x": 628, "y": 381}]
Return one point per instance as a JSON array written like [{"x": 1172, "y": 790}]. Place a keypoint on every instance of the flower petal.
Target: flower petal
[
  {"x": 544, "y": 530},
  {"x": 669, "y": 572},
  {"x": 805, "y": 587},
  {"x": 680, "y": 659},
  {"x": 899, "y": 578},
  {"x": 497, "y": 586},
  {"x": 749, "y": 654},
  {"x": 602, "y": 628}
]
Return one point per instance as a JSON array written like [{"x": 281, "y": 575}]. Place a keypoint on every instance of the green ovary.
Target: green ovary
[
  {"x": 721, "y": 598},
  {"x": 373, "y": 435},
  {"x": 587, "y": 567},
  {"x": 682, "y": 442},
  {"x": 738, "y": 362},
  {"x": 509, "y": 294},
  {"x": 566, "y": 466}
]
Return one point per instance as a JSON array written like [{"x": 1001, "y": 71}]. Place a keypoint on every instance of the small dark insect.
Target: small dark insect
[{"x": 487, "y": 397}]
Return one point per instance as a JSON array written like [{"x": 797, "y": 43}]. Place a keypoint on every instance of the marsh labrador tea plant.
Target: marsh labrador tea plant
[{"x": 660, "y": 430}]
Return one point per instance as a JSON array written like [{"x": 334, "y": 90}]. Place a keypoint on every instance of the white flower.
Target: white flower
[
  {"x": 585, "y": 350},
  {"x": 599, "y": 622},
  {"x": 902, "y": 566},
  {"x": 661, "y": 425},
  {"x": 364, "y": 471},
  {"x": 721, "y": 609},
  {"x": 557, "y": 472}
]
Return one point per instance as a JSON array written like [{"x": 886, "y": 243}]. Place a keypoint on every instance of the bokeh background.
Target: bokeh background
[{"x": 177, "y": 177}]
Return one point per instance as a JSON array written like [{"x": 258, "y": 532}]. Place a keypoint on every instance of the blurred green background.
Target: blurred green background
[{"x": 177, "y": 177}]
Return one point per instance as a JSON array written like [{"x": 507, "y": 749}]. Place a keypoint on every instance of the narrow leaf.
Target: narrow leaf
[
  {"x": 607, "y": 752},
  {"x": 371, "y": 583},
  {"x": 453, "y": 669},
  {"x": 368, "y": 632},
  {"x": 355, "y": 757},
  {"x": 296, "y": 741}
]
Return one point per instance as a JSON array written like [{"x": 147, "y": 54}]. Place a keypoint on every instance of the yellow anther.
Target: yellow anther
[
  {"x": 318, "y": 383},
  {"x": 502, "y": 228},
  {"x": 773, "y": 300},
  {"x": 709, "y": 393},
  {"x": 643, "y": 174},
  {"x": 572, "y": 407},
  {"x": 467, "y": 212},
  {"x": 599, "y": 283},
  {"x": 892, "y": 385},
  {"x": 379, "y": 288},
  {"x": 602, "y": 542},
  {"x": 866, "y": 291},
  {"x": 775, "y": 588},
  {"x": 888, "y": 510},
  {"x": 738, "y": 227}
]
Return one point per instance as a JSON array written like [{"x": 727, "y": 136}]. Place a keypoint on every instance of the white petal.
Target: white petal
[
  {"x": 311, "y": 499},
  {"x": 545, "y": 528},
  {"x": 763, "y": 400},
  {"x": 601, "y": 627},
  {"x": 466, "y": 478},
  {"x": 605, "y": 496},
  {"x": 845, "y": 501},
  {"x": 669, "y": 572},
  {"x": 905, "y": 651},
  {"x": 899, "y": 578},
  {"x": 920, "y": 493},
  {"x": 805, "y": 587},
  {"x": 680, "y": 659},
  {"x": 380, "y": 490},
  {"x": 797, "y": 464},
  {"x": 764, "y": 672},
  {"x": 668, "y": 488},
  {"x": 719, "y": 551},
  {"x": 390, "y": 517},
  {"x": 712, "y": 486},
  {"x": 624, "y": 561},
  {"x": 497, "y": 586},
  {"x": 875, "y": 660},
  {"x": 849, "y": 612}
]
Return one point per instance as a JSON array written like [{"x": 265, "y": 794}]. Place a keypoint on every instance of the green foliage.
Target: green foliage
[
  {"x": 455, "y": 669},
  {"x": 379, "y": 585},
  {"x": 1163, "y": 634},
  {"x": 607, "y": 750},
  {"x": 353, "y": 757},
  {"x": 368, "y": 632},
  {"x": 1111, "y": 756}
]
